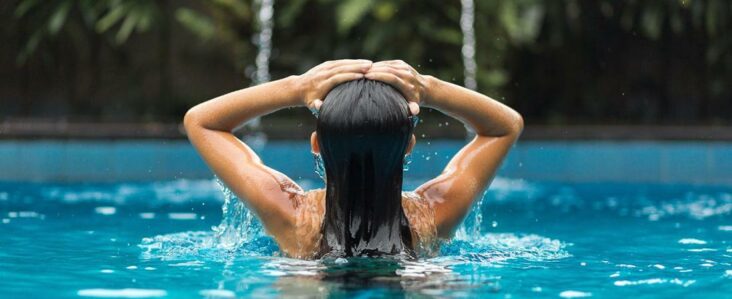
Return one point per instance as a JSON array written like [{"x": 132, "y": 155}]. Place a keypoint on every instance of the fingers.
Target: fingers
[
  {"x": 383, "y": 64},
  {"x": 337, "y": 63},
  {"x": 336, "y": 79},
  {"x": 386, "y": 77},
  {"x": 401, "y": 73},
  {"x": 406, "y": 88},
  {"x": 413, "y": 108},
  {"x": 360, "y": 67},
  {"x": 317, "y": 103}
]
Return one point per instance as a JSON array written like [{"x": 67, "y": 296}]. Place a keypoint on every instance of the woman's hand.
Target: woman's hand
[
  {"x": 404, "y": 77},
  {"x": 318, "y": 81}
]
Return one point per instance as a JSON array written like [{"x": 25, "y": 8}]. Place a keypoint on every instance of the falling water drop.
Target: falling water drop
[
  {"x": 263, "y": 41},
  {"x": 467, "y": 26}
]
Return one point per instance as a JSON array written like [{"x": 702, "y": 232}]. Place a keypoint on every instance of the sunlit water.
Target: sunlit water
[{"x": 535, "y": 239}]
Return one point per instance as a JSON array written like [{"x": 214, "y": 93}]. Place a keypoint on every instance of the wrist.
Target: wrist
[
  {"x": 296, "y": 90},
  {"x": 431, "y": 85}
]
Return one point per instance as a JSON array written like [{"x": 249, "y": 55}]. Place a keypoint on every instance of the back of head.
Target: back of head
[{"x": 363, "y": 130}]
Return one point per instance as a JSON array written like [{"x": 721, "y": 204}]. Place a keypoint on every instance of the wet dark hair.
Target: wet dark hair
[{"x": 364, "y": 129}]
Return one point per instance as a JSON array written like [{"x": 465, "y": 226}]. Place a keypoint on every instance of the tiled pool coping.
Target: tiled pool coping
[{"x": 574, "y": 161}]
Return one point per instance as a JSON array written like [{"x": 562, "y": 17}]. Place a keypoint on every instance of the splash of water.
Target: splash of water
[
  {"x": 238, "y": 225},
  {"x": 472, "y": 224},
  {"x": 239, "y": 233}
]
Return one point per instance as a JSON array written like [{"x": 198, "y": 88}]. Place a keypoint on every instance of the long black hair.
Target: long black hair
[{"x": 364, "y": 129}]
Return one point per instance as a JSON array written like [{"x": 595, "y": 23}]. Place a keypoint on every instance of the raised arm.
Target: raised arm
[
  {"x": 471, "y": 170},
  {"x": 209, "y": 126}
]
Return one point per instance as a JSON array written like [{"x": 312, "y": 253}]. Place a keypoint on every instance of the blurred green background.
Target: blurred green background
[{"x": 558, "y": 62}]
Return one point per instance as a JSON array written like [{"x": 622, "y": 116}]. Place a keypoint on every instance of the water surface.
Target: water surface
[{"x": 524, "y": 239}]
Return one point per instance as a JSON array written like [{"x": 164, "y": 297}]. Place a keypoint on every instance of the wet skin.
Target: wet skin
[{"x": 292, "y": 215}]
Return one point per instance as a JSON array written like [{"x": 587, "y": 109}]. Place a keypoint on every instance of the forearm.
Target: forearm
[
  {"x": 486, "y": 116},
  {"x": 228, "y": 111}
]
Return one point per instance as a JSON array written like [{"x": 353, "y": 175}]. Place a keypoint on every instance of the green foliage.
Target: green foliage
[
  {"x": 350, "y": 12},
  {"x": 48, "y": 19},
  {"x": 197, "y": 23},
  {"x": 424, "y": 33},
  {"x": 131, "y": 15}
]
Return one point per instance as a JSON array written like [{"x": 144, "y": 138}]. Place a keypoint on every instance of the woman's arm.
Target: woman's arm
[
  {"x": 471, "y": 170},
  {"x": 270, "y": 194}
]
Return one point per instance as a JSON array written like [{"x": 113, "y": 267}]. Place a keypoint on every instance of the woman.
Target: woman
[{"x": 366, "y": 114}]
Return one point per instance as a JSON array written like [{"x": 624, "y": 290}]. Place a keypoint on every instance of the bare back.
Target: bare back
[{"x": 311, "y": 213}]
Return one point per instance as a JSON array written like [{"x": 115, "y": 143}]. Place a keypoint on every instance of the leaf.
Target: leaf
[
  {"x": 115, "y": 14},
  {"x": 385, "y": 11},
  {"x": 496, "y": 77},
  {"x": 198, "y": 24},
  {"x": 712, "y": 17},
  {"x": 238, "y": 7},
  {"x": 30, "y": 47},
  {"x": 449, "y": 35},
  {"x": 350, "y": 12},
  {"x": 291, "y": 11},
  {"x": 508, "y": 17},
  {"x": 58, "y": 18},
  {"x": 531, "y": 20},
  {"x": 89, "y": 12},
  {"x": 126, "y": 28},
  {"x": 24, "y": 7},
  {"x": 651, "y": 21}
]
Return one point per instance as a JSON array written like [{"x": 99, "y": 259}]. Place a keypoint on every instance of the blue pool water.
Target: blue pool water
[{"x": 524, "y": 239}]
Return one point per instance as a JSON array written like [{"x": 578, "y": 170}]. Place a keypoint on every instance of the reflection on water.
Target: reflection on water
[{"x": 332, "y": 277}]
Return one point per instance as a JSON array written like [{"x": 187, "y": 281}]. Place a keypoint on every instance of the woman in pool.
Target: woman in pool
[{"x": 366, "y": 116}]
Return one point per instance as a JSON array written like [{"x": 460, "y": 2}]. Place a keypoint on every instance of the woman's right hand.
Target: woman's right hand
[{"x": 318, "y": 81}]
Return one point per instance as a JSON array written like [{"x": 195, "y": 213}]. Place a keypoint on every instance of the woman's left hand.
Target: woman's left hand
[{"x": 404, "y": 77}]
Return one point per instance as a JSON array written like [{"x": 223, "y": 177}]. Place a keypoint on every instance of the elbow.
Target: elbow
[
  {"x": 516, "y": 125},
  {"x": 519, "y": 123},
  {"x": 191, "y": 120}
]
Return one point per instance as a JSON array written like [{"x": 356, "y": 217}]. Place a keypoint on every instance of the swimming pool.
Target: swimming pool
[{"x": 525, "y": 238}]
